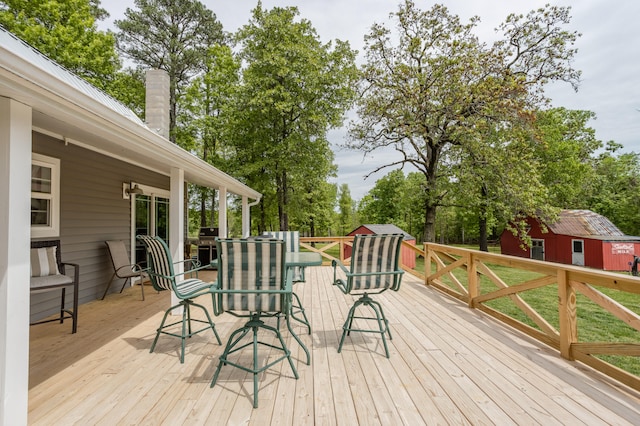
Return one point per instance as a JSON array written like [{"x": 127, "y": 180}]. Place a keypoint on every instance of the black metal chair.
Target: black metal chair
[
  {"x": 163, "y": 277},
  {"x": 374, "y": 269},
  {"x": 48, "y": 273}
]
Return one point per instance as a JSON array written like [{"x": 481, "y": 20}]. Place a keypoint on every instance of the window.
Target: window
[{"x": 45, "y": 196}]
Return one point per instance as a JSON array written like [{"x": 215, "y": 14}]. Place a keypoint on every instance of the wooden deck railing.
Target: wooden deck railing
[{"x": 471, "y": 276}]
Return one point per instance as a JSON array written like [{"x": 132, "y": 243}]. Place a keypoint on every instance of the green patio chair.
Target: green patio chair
[
  {"x": 162, "y": 275},
  {"x": 374, "y": 269},
  {"x": 292, "y": 243},
  {"x": 253, "y": 284}
]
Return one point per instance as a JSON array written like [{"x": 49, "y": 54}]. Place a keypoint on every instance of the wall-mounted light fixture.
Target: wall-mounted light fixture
[{"x": 130, "y": 188}]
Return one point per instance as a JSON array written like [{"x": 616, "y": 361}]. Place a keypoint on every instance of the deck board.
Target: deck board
[{"x": 448, "y": 365}]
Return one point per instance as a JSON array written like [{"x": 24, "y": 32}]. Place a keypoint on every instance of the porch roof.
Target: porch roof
[{"x": 68, "y": 108}]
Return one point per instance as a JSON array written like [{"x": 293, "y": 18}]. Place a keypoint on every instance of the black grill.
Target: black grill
[{"x": 207, "y": 245}]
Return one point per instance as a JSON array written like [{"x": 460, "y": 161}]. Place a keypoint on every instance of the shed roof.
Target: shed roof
[
  {"x": 585, "y": 223},
  {"x": 386, "y": 229}
]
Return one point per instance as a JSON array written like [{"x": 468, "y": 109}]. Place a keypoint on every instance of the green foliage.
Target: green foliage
[
  {"x": 455, "y": 108},
  {"x": 346, "y": 211},
  {"x": 616, "y": 187},
  {"x": 65, "y": 31},
  {"x": 396, "y": 199},
  {"x": 294, "y": 88},
  {"x": 128, "y": 86},
  {"x": 566, "y": 152},
  {"x": 172, "y": 36}
]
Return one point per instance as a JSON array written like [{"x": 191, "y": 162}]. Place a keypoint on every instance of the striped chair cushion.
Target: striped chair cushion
[
  {"x": 159, "y": 261},
  {"x": 374, "y": 253},
  {"x": 292, "y": 243},
  {"x": 251, "y": 265},
  {"x": 291, "y": 239},
  {"x": 162, "y": 274}
]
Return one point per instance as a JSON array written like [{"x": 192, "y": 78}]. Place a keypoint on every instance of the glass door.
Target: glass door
[{"x": 151, "y": 217}]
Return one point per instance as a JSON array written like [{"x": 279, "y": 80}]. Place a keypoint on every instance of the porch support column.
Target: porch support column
[
  {"x": 15, "y": 227},
  {"x": 246, "y": 217},
  {"x": 222, "y": 214},
  {"x": 176, "y": 225}
]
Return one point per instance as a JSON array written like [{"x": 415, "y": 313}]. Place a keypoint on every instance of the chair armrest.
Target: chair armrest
[
  {"x": 342, "y": 285},
  {"x": 76, "y": 270},
  {"x": 195, "y": 267},
  {"x": 135, "y": 267},
  {"x": 217, "y": 291}
]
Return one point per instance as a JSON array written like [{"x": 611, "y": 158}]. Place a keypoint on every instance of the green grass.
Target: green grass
[{"x": 594, "y": 323}]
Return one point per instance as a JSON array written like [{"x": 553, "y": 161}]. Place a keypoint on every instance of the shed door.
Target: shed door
[
  {"x": 577, "y": 252},
  {"x": 537, "y": 249}
]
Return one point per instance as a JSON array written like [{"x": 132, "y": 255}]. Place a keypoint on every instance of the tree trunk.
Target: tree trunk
[
  {"x": 482, "y": 223},
  {"x": 262, "y": 222},
  {"x": 430, "y": 223},
  {"x": 283, "y": 199},
  {"x": 203, "y": 208},
  {"x": 482, "y": 220}
]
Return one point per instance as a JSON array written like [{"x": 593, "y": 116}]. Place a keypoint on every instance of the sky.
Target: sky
[{"x": 608, "y": 56}]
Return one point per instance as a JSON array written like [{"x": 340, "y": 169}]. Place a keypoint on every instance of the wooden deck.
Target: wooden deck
[{"x": 448, "y": 365}]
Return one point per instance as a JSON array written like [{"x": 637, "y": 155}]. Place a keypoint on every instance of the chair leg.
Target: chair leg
[
  {"x": 159, "y": 329},
  {"x": 106, "y": 290},
  {"x": 124, "y": 284},
  {"x": 74, "y": 315},
  {"x": 233, "y": 345},
  {"x": 142, "y": 286},
  {"x": 295, "y": 336},
  {"x": 383, "y": 323},
  {"x": 62, "y": 305},
  {"x": 185, "y": 324}
]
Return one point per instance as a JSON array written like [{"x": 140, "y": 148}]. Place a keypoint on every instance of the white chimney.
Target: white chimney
[{"x": 157, "y": 101}]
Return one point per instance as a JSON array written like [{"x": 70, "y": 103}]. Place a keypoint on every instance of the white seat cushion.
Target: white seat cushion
[{"x": 49, "y": 280}]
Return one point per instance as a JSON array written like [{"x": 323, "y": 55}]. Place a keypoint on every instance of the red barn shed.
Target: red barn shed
[
  {"x": 408, "y": 256},
  {"x": 578, "y": 237}
]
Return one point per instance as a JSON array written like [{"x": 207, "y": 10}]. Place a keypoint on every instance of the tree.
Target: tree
[
  {"x": 616, "y": 188},
  {"x": 169, "y": 35},
  {"x": 566, "y": 153},
  {"x": 207, "y": 109},
  {"x": 346, "y": 209},
  {"x": 384, "y": 201},
  {"x": 66, "y": 31},
  {"x": 395, "y": 199},
  {"x": 294, "y": 89},
  {"x": 438, "y": 93}
]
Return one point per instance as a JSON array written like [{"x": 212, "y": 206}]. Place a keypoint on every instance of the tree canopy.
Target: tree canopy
[
  {"x": 170, "y": 35},
  {"x": 439, "y": 96},
  {"x": 67, "y": 32},
  {"x": 294, "y": 89}
]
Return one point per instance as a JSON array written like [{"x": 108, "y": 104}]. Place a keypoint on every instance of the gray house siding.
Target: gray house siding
[{"x": 92, "y": 211}]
